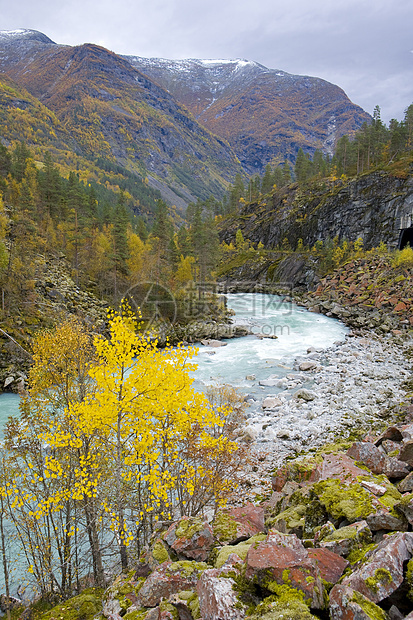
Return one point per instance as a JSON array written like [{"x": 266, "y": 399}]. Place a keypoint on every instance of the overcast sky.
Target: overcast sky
[{"x": 364, "y": 46}]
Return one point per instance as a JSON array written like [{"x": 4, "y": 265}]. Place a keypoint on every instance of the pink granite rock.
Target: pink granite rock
[
  {"x": 368, "y": 454},
  {"x": 340, "y": 466},
  {"x": 406, "y": 452},
  {"x": 331, "y": 565},
  {"x": 343, "y": 540},
  {"x": 169, "y": 578},
  {"x": 217, "y": 599},
  {"x": 382, "y": 573},
  {"x": 190, "y": 538},
  {"x": 250, "y": 517},
  {"x": 281, "y": 557},
  {"x": 346, "y": 604}
]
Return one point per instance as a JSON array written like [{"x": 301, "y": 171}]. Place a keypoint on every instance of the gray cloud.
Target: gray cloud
[{"x": 364, "y": 46}]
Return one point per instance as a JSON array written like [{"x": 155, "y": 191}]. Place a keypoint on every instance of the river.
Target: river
[
  {"x": 353, "y": 380},
  {"x": 265, "y": 315}
]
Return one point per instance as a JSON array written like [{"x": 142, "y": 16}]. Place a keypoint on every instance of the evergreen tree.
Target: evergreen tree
[
  {"x": 51, "y": 189},
  {"x": 119, "y": 236},
  {"x": 286, "y": 173}
]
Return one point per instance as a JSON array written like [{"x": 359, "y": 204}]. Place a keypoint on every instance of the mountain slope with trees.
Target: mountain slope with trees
[
  {"x": 266, "y": 115},
  {"x": 114, "y": 112}
]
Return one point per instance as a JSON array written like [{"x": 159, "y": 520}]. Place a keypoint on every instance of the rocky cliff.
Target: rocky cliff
[
  {"x": 375, "y": 206},
  {"x": 266, "y": 115}
]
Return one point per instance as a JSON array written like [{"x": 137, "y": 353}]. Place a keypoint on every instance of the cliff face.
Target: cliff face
[
  {"x": 375, "y": 207},
  {"x": 266, "y": 115}
]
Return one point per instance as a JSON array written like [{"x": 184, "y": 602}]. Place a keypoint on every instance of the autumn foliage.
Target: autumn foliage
[{"x": 111, "y": 438}]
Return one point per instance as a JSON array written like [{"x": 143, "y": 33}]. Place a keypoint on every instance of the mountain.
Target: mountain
[
  {"x": 266, "y": 115},
  {"x": 186, "y": 127},
  {"x": 109, "y": 109}
]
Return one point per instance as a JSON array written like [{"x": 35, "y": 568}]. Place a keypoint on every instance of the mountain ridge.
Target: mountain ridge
[
  {"x": 188, "y": 126},
  {"x": 112, "y": 109},
  {"x": 265, "y": 114}
]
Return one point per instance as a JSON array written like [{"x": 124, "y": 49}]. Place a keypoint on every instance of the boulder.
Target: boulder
[
  {"x": 406, "y": 508},
  {"x": 340, "y": 466},
  {"x": 382, "y": 573},
  {"x": 392, "y": 433},
  {"x": 406, "y": 452},
  {"x": 406, "y": 485},
  {"x": 384, "y": 520},
  {"x": 250, "y": 518},
  {"x": 190, "y": 538},
  {"x": 217, "y": 598},
  {"x": 348, "y": 604},
  {"x": 307, "y": 365},
  {"x": 331, "y": 565},
  {"x": 396, "y": 468},
  {"x": 213, "y": 343},
  {"x": 303, "y": 394},
  {"x": 282, "y": 560},
  {"x": 271, "y": 402},
  {"x": 368, "y": 454},
  {"x": 345, "y": 539},
  {"x": 169, "y": 578},
  {"x": 237, "y": 524}
]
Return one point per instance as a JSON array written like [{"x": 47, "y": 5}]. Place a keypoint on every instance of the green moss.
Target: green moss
[
  {"x": 188, "y": 527},
  {"x": 352, "y": 502},
  {"x": 241, "y": 549},
  {"x": 224, "y": 527},
  {"x": 164, "y": 606},
  {"x": 358, "y": 554},
  {"x": 373, "y": 611},
  {"x": 124, "y": 602},
  {"x": 286, "y": 576},
  {"x": 186, "y": 567},
  {"x": 82, "y": 607},
  {"x": 409, "y": 579},
  {"x": 381, "y": 576},
  {"x": 159, "y": 552},
  {"x": 287, "y": 609},
  {"x": 293, "y": 517},
  {"x": 284, "y": 593},
  {"x": 194, "y": 607},
  {"x": 136, "y": 614},
  {"x": 343, "y": 533}
]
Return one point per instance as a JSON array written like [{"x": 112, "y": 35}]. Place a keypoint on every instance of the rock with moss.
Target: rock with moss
[
  {"x": 282, "y": 560},
  {"x": 289, "y": 521},
  {"x": 217, "y": 597},
  {"x": 350, "y": 501},
  {"x": 368, "y": 454},
  {"x": 169, "y": 578},
  {"x": 85, "y": 606},
  {"x": 345, "y": 539},
  {"x": 190, "y": 538},
  {"x": 230, "y": 526},
  {"x": 381, "y": 573},
  {"x": 349, "y": 604},
  {"x": 330, "y": 565},
  {"x": 284, "y": 609},
  {"x": 122, "y": 596},
  {"x": 187, "y": 604},
  {"x": 240, "y": 550}
]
